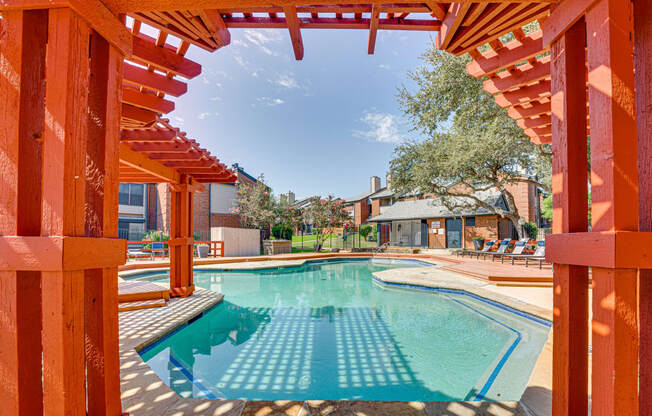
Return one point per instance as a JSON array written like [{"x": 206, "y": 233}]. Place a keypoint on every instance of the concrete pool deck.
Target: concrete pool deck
[{"x": 144, "y": 393}]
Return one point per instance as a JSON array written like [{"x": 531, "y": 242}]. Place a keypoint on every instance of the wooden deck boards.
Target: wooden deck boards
[{"x": 137, "y": 291}]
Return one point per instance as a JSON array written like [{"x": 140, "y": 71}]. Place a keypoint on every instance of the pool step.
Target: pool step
[{"x": 145, "y": 304}]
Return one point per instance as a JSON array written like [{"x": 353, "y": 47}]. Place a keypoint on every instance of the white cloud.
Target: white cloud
[
  {"x": 383, "y": 66},
  {"x": 285, "y": 80},
  {"x": 204, "y": 116},
  {"x": 179, "y": 120},
  {"x": 381, "y": 127},
  {"x": 261, "y": 38},
  {"x": 269, "y": 101},
  {"x": 215, "y": 98}
]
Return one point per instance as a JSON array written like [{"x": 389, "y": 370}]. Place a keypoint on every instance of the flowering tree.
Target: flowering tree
[
  {"x": 288, "y": 217},
  {"x": 255, "y": 205},
  {"x": 326, "y": 215}
]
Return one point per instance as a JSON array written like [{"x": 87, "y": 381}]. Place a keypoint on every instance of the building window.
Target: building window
[
  {"x": 131, "y": 194},
  {"x": 470, "y": 221}
]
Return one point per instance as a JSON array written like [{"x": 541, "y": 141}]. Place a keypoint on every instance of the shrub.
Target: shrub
[
  {"x": 155, "y": 235},
  {"x": 365, "y": 230},
  {"x": 531, "y": 230},
  {"x": 282, "y": 233}
]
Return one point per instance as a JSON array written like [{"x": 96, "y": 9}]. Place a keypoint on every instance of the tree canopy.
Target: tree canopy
[{"x": 469, "y": 143}]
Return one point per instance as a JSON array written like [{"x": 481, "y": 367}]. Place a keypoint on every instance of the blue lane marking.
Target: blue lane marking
[
  {"x": 471, "y": 295},
  {"x": 487, "y": 385},
  {"x": 191, "y": 378},
  {"x": 494, "y": 374}
]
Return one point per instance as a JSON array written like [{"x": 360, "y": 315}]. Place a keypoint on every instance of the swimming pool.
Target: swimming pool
[{"x": 329, "y": 330}]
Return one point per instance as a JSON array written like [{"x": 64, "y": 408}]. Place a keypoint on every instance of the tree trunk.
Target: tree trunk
[{"x": 519, "y": 229}]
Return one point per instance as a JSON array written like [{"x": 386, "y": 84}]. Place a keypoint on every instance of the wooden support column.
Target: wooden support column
[
  {"x": 181, "y": 239},
  {"x": 614, "y": 192},
  {"x": 22, "y": 70},
  {"x": 643, "y": 74},
  {"x": 101, "y": 285},
  {"x": 570, "y": 180},
  {"x": 64, "y": 153}
]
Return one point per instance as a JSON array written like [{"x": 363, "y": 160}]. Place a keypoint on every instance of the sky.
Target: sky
[{"x": 320, "y": 126}]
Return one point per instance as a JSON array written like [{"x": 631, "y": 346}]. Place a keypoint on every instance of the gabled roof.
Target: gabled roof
[
  {"x": 362, "y": 196},
  {"x": 434, "y": 208}
]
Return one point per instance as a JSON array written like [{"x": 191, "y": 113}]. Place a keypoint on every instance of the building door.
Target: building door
[{"x": 453, "y": 233}]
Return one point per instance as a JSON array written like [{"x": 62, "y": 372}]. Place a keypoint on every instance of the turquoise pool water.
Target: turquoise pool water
[{"x": 330, "y": 331}]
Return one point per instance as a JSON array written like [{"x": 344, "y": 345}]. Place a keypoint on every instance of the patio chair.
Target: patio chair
[
  {"x": 158, "y": 247},
  {"x": 465, "y": 251},
  {"x": 539, "y": 255},
  {"x": 519, "y": 246},
  {"x": 502, "y": 247}
]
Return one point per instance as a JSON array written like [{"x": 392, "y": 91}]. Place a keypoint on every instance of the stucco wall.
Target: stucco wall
[{"x": 238, "y": 242}]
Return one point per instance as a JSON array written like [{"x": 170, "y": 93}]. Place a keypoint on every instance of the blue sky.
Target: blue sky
[{"x": 319, "y": 126}]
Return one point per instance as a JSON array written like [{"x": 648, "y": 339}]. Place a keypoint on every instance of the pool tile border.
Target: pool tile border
[{"x": 144, "y": 393}]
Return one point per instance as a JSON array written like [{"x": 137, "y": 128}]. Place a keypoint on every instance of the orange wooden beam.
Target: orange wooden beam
[
  {"x": 522, "y": 75},
  {"x": 437, "y": 9},
  {"x": 138, "y": 115},
  {"x": 161, "y": 147},
  {"x": 530, "y": 123},
  {"x": 23, "y": 40},
  {"x": 145, "y": 50},
  {"x": 565, "y": 15},
  {"x": 373, "y": 28},
  {"x": 142, "y": 162},
  {"x": 537, "y": 109},
  {"x": 294, "y": 30},
  {"x": 146, "y": 101},
  {"x": 141, "y": 77},
  {"x": 450, "y": 24},
  {"x": 614, "y": 202},
  {"x": 524, "y": 94},
  {"x": 643, "y": 77},
  {"x": 333, "y": 23},
  {"x": 193, "y": 155},
  {"x": 93, "y": 11},
  {"x": 216, "y": 25},
  {"x": 570, "y": 215},
  {"x": 510, "y": 54},
  {"x": 64, "y": 172},
  {"x": 147, "y": 135}
]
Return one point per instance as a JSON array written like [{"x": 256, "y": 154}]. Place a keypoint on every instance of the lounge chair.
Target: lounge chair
[
  {"x": 502, "y": 247},
  {"x": 464, "y": 251},
  {"x": 519, "y": 246},
  {"x": 539, "y": 255},
  {"x": 158, "y": 247}
]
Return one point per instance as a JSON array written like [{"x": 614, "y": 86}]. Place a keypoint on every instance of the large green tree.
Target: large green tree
[{"x": 469, "y": 144}]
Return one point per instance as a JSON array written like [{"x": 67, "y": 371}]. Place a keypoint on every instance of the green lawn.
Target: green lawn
[{"x": 332, "y": 241}]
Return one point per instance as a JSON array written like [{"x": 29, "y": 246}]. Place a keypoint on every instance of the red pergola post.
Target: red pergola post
[
  {"x": 22, "y": 50},
  {"x": 181, "y": 239},
  {"x": 614, "y": 192},
  {"x": 101, "y": 285},
  {"x": 570, "y": 215},
  {"x": 643, "y": 75},
  {"x": 59, "y": 252}
]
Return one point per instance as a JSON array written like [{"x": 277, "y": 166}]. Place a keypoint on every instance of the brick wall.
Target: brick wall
[
  {"x": 225, "y": 220},
  {"x": 163, "y": 201},
  {"x": 375, "y": 207},
  {"x": 525, "y": 200},
  {"x": 485, "y": 227},
  {"x": 361, "y": 209},
  {"x": 200, "y": 213}
]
